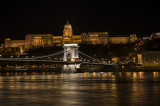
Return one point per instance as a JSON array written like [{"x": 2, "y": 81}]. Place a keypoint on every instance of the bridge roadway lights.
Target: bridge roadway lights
[{"x": 70, "y": 52}]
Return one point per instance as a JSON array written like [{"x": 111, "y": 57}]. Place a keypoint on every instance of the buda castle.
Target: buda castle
[{"x": 46, "y": 40}]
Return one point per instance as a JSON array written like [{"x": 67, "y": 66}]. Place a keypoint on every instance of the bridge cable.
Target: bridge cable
[
  {"x": 89, "y": 56},
  {"x": 60, "y": 52}
]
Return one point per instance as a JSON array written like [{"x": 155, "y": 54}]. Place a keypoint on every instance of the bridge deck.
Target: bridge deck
[{"x": 48, "y": 61}]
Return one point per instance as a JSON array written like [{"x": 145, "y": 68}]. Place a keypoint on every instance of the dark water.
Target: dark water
[{"x": 81, "y": 89}]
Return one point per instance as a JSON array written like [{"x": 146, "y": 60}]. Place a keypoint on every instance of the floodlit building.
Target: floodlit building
[
  {"x": 139, "y": 58},
  {"x": 57, "y": 40},
  {"x": 95, "y": 38},
  {"x": 67, "y": 34},
  {"x": 105, "y": 38},
  {"x": 45, "y": 40},
  {"x": 38, "y": 40},
  {"x": 13, "y": 43},
  {"x": 151, "y": 58}
]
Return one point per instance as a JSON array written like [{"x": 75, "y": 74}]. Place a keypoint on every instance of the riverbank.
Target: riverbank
[
  {"x": 40, "y": 70},
  {"x": 122, "y": 70},
  {"x": 59, "y": 70}
]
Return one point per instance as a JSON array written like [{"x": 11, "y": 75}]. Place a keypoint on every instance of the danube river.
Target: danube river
[{"x": 80, "y": 89}]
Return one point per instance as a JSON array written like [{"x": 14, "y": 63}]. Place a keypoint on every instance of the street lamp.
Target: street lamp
[{"x": 134, "y": 59}]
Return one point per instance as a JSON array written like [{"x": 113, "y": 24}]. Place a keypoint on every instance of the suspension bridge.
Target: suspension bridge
[
  {"x": 70, "y": 56},
  {"x": 70, "y": 61}
]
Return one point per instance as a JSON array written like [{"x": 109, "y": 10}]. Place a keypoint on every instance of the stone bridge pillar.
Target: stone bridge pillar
[{"x": 71, "y": 52}]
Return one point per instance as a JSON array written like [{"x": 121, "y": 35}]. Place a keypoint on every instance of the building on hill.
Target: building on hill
[
  {"x": 67, "y": 34},
  {"x": 57, "y": 40},
  {"x": 122, "y": 39},
  {"x": 13, "y": 43},
  {"x": 95, "y": 38},
  {"x": 36, "y": 40},
  {"x": 105, "y": 38},
  {"x": 45, "y": 40},
  {"x": 150, "y": 56}
]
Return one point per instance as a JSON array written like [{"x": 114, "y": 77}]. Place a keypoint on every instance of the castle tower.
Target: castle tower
[{"x": 67, "y": 34}]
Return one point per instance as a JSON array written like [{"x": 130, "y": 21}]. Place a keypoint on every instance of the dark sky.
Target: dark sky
[{"x": 113, "y": 16}]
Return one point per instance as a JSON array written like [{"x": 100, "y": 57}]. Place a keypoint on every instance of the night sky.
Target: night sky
[{"x": 21, "y": 18}]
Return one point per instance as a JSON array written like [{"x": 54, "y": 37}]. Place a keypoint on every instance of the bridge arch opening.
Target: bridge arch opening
[{"x": 71, "y": 52}]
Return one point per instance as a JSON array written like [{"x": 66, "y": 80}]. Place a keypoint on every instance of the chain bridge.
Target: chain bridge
[
  {"x": 70, "y": 61},
  {"x": 70, "y": 56}
]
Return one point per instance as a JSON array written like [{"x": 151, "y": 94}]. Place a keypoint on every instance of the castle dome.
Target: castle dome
[{"x": 68, "y": 26}]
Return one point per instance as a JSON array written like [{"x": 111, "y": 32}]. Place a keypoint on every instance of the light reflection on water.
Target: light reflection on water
[{"x": 102, "y": 88}]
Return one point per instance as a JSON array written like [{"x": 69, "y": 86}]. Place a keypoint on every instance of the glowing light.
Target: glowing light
[{"x": 70, "y": 44}]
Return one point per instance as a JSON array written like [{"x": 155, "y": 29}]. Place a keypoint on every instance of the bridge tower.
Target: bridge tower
[{"x": 71, "y": 52}]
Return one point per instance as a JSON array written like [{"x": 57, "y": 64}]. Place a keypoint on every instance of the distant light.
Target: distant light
[{"x": 70, "y": 44}]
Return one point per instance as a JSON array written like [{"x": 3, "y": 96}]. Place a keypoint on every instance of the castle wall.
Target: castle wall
[{"x": 14, "y": 43}]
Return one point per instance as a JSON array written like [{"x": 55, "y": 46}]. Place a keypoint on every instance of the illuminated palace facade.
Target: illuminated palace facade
[{"x": 45, "y": 40}]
